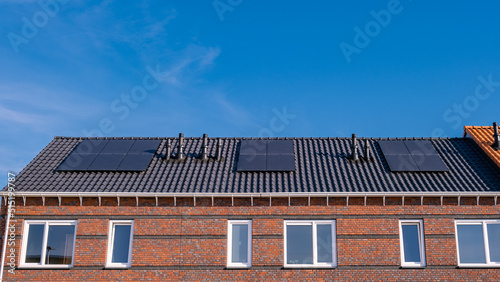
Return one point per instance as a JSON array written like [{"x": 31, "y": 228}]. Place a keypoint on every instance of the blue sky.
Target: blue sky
[{"x": 243, "y": 68}]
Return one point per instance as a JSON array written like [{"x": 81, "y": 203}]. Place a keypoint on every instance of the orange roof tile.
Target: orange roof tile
[{"x": 483, "y": 136}]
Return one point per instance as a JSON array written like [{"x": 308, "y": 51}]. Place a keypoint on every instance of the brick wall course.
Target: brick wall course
[
  {"x": 440, "y": 251},
  {"x": 365, "y": 226},
  {"x": 187, "y": 242},
  {"x": 267, "y": 252}
]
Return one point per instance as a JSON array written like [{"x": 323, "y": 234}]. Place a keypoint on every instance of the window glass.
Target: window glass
[
  {"x": 324, "y": 242},
  {"x": 411, "y": 242},
  {"x": 239, "y": 246},
  {"x": 299, "y": 244},
  {"x": 121, "y": 243},
  {"x": 35, "y": 243},
  {"x": 471, "y": 243},
  {"x": 494, "y": 242},
  {"x": 310, "y": 243},
  {"x": 60, "y": 244}
]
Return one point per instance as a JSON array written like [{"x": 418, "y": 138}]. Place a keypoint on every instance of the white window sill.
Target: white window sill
[
  {"x": 308, "y": 266},
  {"x": 238, "y": 266},
  {"x": 412, "y": 266},
  {"x": 479, "y": 266},
  {"x": 118, "y": 266},
  {"x": 50, "y": 266}
]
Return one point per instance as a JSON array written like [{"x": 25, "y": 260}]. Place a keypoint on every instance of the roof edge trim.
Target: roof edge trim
[{"x": 248, "y": 195}]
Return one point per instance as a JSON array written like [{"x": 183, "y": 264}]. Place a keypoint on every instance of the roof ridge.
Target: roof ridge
[{"x": 248, "y": 138}]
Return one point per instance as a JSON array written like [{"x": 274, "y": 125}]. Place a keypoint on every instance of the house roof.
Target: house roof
[
  {"x": 483, "y": 136},
  {"x": 321, "y": 166}
]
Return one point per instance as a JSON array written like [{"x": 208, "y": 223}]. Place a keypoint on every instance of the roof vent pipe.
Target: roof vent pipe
[
  {"x": 367, "y": 151},
  {"x": 204, "y": 155},
  {"x": 169, "y": 150},
  {"x": 354, "y": 148},
  {"x": 219, "y": 150},
  {"x": 496, "y": 137},
  {"x": 180, "y": 154}
]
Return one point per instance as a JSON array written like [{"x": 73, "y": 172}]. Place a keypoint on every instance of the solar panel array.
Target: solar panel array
[
  {"x": 266, "y": 155},
  {"x": 110, "y": 155},
  {"x": 412, "y": 155}
]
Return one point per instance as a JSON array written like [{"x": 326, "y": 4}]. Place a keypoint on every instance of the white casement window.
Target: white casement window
[
  {"x": 120, "y": 240},
  {"x": 239, "y": 243},
  {"x": 478, "y": 243},
  {"x": 48, "y": 244},
  {"x": 310, "y": 243},
  {"x": 411, "y": 238}
]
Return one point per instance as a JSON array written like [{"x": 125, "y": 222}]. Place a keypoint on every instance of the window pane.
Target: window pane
[
  {"x": 35, "y": 242},
  {"x": 121, "y": 243},
  {"x": 494, "y": 241},
  {"x": 240, "y": 243},
  {"x": 60, "y": 244},
  {"x": 411, "y": 244},
  {"x": 471, "y": 243},
  {"x": 299, "y": 244},
  {"x": 324, "y": 241}
]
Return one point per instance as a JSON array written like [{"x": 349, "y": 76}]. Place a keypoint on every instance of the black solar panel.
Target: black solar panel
[
  {"x": 412, "y": 155},
  {"x": 144, "y": 147},
  {"x": 252, "y": 163},
  {"x": 111, "y": 155},
  {"x": 266, "y": 155},
  {"x": 253, "y": 147},
  {"x": 430, "y": 163},
  {"x": 280, "y": 163},
  {"x": 420, "y": 147},
  {"x": 106, "y": 162},
  {"x": 401, "y": 163},
  {"x": 279, "y": 147},
  {"x": 393, "y": 148},
  {"x": 77, "y": 162},
  {"x": 135, "y": 162},
  {"x": 90, "y": 146},
  {"x": 117, "y": 147}
]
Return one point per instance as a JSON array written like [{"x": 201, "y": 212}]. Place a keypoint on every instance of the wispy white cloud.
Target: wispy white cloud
[
  {"x": 11, "y": 160},
  {"x": 105, "y": 25},
  {"x": 192, "y": 60},
  {"x": 233, "y": 112},
  {"x": 17, "y": 1},
  {"x": 18, "y": 117},
  {"x": 41, "y": 109}
]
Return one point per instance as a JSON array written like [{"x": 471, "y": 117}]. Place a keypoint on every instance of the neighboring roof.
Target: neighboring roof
[
  {"x": 483, "y": 136},
  {"x": 321, "y": 166}
]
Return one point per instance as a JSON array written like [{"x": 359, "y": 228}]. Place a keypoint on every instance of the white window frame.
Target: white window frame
[
  {"x": 111, "y": 237},
  {"x": 46, "y": 223},
  {"x": 314, "y": 224},
  {"x": 485, "y": 238},
  {"x": 420, "y": 224},
  {"x": 230, "y": 243}
]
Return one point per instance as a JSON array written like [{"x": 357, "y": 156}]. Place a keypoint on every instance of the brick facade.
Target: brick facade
[{"x": 188, "y": 242}]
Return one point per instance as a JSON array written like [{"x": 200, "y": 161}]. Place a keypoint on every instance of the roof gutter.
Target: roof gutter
[
  {"x": 347, "y": 195},
  {"x": 255, "y": 195}
]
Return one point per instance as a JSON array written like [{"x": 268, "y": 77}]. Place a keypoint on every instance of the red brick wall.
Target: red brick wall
[{"x": 189, "y": 242}]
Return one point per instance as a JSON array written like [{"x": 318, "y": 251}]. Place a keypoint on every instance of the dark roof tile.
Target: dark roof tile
[{"x": 321, "y": 166}]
